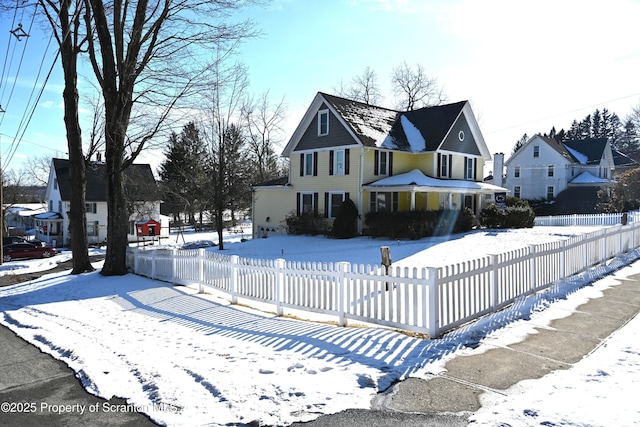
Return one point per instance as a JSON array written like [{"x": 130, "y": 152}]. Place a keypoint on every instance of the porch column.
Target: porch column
[{"x": 413, "y": 200}]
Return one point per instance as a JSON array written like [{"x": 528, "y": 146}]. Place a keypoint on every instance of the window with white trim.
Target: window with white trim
[
  {"x": 308, "y": 164},
  {"x": 335, "y": 201},
  {"x": 383, "y": 163},
  {"x": 93, "y": 229},
  {"x": 550, "y": 170},
  {"x": 323, "y": 122},
  {"x": 91, "y": 207},
  {"x": 516, "y": 191},
  {"x": 444, "y": 165},
  {"x": 550, "y": 192},
  {"x": 383, "y": 201},
  {"x": 307, "y": 202},
  {"x": 469, "y": 168},
  {"x": 536, "y": 151},
  {"x": 338, "y": 162},
  {"x": 516, "y": 172}
]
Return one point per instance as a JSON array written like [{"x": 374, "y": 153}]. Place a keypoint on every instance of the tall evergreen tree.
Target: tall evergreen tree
[{"x": 183, "y": 173}]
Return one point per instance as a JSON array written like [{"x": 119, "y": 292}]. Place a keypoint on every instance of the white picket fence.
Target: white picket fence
[
  {"x": 586, "y": 219},
  {"x": 430, "y": 300}
]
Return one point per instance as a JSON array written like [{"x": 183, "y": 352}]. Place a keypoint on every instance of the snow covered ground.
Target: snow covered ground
[{"x": 190, "y": 359}]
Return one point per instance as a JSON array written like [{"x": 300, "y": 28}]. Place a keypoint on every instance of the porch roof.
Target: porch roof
[
  {"x": 416, "y": 181},
  {"x": 587, "y": 179},
  {"x": 49, "y": 216}
]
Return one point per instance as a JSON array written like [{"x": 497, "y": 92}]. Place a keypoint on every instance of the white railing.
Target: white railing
[
  {"x": 587, "y": 219},
  {"x": 430, "y": 300}
]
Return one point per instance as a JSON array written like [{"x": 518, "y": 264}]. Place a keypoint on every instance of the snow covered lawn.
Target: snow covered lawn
[{"x": 190, "y": 359}]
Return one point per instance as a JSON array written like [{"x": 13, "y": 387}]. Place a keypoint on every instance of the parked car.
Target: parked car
[
  {"x": 23, "y": 250},
  {"x": 7, "y": 240}
]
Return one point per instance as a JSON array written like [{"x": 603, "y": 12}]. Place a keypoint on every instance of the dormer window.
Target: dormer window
[{"x": 323, "y": 122}]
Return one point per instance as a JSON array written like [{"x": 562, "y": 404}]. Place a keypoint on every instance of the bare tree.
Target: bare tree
[
  {"x": 37, "y": 169},
  {"x": 227, "y": 94},
  {"x": 414, "y": 89},
  {"x": 64, "y": 16},
  {"x": 363, "y": 88},
  {"x": 146, "y": 54},
  {"x": 264, "y": 125}
]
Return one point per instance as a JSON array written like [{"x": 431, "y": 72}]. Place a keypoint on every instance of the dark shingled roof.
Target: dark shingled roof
[
  {"x": 140, "y": 185},
  {"x": 382, "y": 127},
  {"x": 433, "y": 123},
  {"x": 592, "y": 148}
]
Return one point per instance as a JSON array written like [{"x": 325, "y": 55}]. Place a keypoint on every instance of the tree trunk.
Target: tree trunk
[
  {"x": 78, "y": 180},
  {"x": 115, "y": 263}
]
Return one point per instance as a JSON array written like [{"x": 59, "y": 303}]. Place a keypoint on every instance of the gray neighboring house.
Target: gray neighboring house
[{"x": 141, "y": 189}]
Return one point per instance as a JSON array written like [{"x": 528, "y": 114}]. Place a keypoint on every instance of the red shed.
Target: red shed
[{"x": 147, "y": 227}]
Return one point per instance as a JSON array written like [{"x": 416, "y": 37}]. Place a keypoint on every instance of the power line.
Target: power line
[{"x": 563, "y": 114}]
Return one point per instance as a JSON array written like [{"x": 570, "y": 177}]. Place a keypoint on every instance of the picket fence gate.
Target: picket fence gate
[{"x": 428, "y": 300}]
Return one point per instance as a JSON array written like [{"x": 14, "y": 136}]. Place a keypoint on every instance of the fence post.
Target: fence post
[
  {"x": 233, "y": 285},
  {"x": 135, "y": 260},
  {"x": 434, "y": 305},
  {"x": 563, "y": 258},
  {"x": 603, "y": 245},
  {"x": 343, "y": 288},
  {"x": 201, "y": 271},
  {"x": 174, "y": 265},
  {"x": 153, "y": 265},
  {"x": 533, "y": 267},
  {"x": 493, "y": 282},
  {"x": 280, "y": 263}
]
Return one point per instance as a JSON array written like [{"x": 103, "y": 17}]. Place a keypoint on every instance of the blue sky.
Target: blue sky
[{"x": 525, "y": 66}]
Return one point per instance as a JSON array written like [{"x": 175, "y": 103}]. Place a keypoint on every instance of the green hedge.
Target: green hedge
[
  {"x": 418, "y": 224},
  {"x": 517, "y": 216}
]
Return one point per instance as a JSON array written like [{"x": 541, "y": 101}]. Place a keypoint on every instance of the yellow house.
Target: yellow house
[{"x": 426, "y": 159}]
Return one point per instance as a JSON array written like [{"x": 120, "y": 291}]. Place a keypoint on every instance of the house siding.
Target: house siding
[
  {"x": 337, "y": 136},
  {"x": 452, "y": 142}
]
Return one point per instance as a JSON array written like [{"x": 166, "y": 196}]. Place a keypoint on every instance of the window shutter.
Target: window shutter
[
  {"x": 331, "y": 162},
  {"x": 302, "y": 164},
  {"x": 346, "y": 161},
  {"x": 315, "y": 203},
  {"x": 449, "y": 165},
  {"x": 297, "y": 204},
  {"x": 439, "y": 165},
  {"x": 390, "y": 163},
  {"x": 315, "y": 164},
  {"x": 376, "y": 160},
  {"x": 326, "y": 205},
  {"x": 475, "y": 169}
]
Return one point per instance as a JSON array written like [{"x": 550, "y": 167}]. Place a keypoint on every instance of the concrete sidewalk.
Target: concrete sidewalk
[
  {"x": 456, "y": 392},
  {"x": 38, "y": 390}
]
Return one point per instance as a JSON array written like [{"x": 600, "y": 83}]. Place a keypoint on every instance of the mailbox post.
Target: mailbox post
[{"x": 385, "y": 252}]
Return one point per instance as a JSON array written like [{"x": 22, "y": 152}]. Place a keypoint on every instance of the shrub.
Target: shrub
[
  {"x": 308, "y": 223},
  {"x": 418, "y": 224},
  {"x": 518, "y": 215},
  {"x": 345, "y": 225}
]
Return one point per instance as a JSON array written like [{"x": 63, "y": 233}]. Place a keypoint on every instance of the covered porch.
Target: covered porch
[
  {"x": 49, "y": 228},
  {"x": 419, "y": 191}
]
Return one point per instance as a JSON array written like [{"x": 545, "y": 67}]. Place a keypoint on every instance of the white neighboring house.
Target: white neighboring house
[
  {"x": 543, "y": 167},
  {"x": 52, "y": 226}
]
